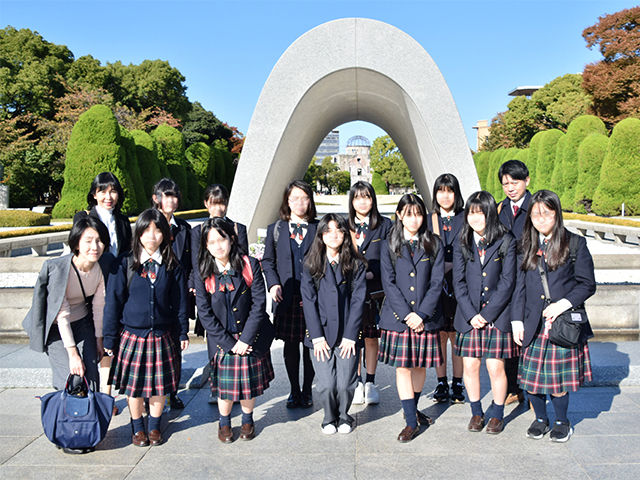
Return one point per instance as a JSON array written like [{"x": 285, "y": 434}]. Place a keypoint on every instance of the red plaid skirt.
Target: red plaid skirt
[
  {"x": 489, "y": 342},
  {"x": 548, "y": 368},
  {"x": 145, "y": 366},
  {"x": 291, "y": 326},
  {"x": 240, "y": 377},
  {"x": 410, "y": 349}
]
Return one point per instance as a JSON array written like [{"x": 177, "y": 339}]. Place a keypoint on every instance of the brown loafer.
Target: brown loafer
[
  {"x": 514, "y": 397},
  {"x": 225, "y": 435},
  {"x": 476, "y": 424},
  {"x": 248, "y": 432},
  {"x": 407, "y": 434},
  {"x": 115, "y": 411},
  {"x": 424, "y": 419},
  {"x": 155, "y": 438},
  {"x": 140, "y": 439},
  {"x": 495, "y": 426}
]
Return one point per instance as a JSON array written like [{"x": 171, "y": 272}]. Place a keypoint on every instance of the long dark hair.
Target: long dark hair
[
  {"x": 207, "y": 262},
  {"x": 450, "y": 182},
  {"x": 316, "y": 259},
  {"x": 216, "y": 193},
  {"x": 285, "y": 211},
  {"x": 146, "y": 218},
  {"x": 101, "y": 182},
  {"x": 166, "y": 186},
  {"x": 410, "y": 202},
  {"x": 364, "y": 189},
  {"x": 484, "y": 202},
  {"x": 558, "y": 246}
]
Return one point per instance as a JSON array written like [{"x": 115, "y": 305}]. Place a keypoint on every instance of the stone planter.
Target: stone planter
[{"x": 4, "y": 197}]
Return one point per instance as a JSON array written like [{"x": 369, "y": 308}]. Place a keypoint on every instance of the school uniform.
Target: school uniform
[
  {"x": 513, "y": 218},
  {"x": 414, "y": 285},
  {"x": 230, "y": 310},
  {"x": 369, "y": 242},
  {"x": 544, "y": 366},
  {"x": 117, "y": 224},
  {"x": 282, "y": 265},
  {"x": 137, "y": 323},
  {"x": 449, "y": 226},
  {"x": 484, "y": 284},
  {"x": 333, "y": 312}
]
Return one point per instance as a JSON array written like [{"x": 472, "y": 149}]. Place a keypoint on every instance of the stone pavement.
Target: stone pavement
[{"x": 290, "y": 445}]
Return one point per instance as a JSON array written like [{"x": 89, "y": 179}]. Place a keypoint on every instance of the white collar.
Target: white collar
[
  {"x": 443, "y": 213},
  {"x": 221, "y": 267},
  {"x": 173, "y": 220},
  {"x": 364, "y": 220},
  {"x": 333, "y": 259},
  {"x": 157, "y": 256},
  {"x": 518, "y": 203},
  {"x": 103, "y": 213},
  {"x": 543, "y": 238},
  {"x": 408, "y": 236},
  {"x": 476, "y": 237},
  {"x": 297, "y": 219}
]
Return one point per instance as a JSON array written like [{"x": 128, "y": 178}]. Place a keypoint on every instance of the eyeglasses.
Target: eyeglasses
[
  {"x": 546, "y": 214},
  {"x": 298, "y": 199},
  {"x": 337, "y": 233}
]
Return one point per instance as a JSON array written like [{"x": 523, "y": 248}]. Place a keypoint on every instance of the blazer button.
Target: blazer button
[
  {"x": 235, "y": 309},
  {"x": 413, "y": 302},
  {"x": 484, "y": 274},
  {"x": 412, "y": 274},
  {"x": 411, "y": 288},
  {"x": 542, "y": 296},
  {"x": 486, "y": 289},
  {"x": 364, "y": 251}
]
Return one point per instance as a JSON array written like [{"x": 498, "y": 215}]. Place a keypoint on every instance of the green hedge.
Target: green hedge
[
  {"x": 378, "y": 184},
  {"x": 548, "y": 142},
  {"x": 23, "y": 218},
  {"x": 147, "y": 154},
  {"x": 131, "y": 161},
  {"x": 171, "y": 153},
  {"x": 591, "y": 154}
]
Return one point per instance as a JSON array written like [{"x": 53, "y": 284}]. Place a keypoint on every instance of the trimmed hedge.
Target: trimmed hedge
[
  {"x": 171, "y": 153},
  {"x": 482, "y": 160},
  {"x": 198, "y": 156},
  {"x": 557, "y": 184},
  {"x": 620, "y": 172},
  {"x": 591, "y": 154},
  {"x": 621, "y": 222},
  {"x": 131, "y": 161},
  {"x": 23, "y": 218},
  {"x": 534, "y": 159},
  {"x": 148, "y": 163},
  {"x": 546, "y": 159}
]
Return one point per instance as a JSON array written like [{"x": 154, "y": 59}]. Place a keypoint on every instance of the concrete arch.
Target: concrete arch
[{"x": 341, "y": 71}]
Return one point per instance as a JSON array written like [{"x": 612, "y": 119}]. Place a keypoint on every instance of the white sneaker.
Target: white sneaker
[
  {"x": 358, "y": 396},
  {"x": 329, "y": 429},
  {"x": 344, "y": 428},
  {"x": 371, "y": 396}
]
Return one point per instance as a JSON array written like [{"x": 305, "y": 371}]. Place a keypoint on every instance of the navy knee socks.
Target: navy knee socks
[
  {"x": 539, "y": 404},
  {"x": 560, "y": 405}
]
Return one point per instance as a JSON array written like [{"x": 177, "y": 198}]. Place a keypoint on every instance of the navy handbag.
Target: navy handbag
[{"x": 77, "y": 418}]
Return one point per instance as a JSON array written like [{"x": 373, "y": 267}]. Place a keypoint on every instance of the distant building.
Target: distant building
[
  {"x": 356, "y": 161},
  {"x": 482, "y": 128},
  {"x": 329, "y": 147}
]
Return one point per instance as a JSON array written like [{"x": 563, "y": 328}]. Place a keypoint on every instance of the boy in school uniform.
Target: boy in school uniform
[{"x": 514, "y": 177}]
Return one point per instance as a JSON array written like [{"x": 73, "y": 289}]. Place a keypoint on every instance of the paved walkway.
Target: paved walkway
[{"x": 289, "y": 443}]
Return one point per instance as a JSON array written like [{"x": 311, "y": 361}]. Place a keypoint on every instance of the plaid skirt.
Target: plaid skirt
[
  {"x": 291, "y": 326},
  {"x": 410, "y": 349},
  {"x": 548, "y": 368},
  {"x": 240, "y": 377},
  {"x": 488, "y": 342},
  {"x": 145, "y": 366}
]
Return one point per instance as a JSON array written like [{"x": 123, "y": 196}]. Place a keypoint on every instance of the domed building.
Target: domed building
[{"x": 356, "y": 161}]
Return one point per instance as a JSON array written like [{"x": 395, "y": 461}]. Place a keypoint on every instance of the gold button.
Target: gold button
[
  {"x": 412, "y": 274},
  {"x": 413, "y": 302},
  {"x": 364, "y": 251},
  {"x": 486, "y": 289},
  {"x": 542, "y": 296},
  {"x": 484, "y": 274},
  {"x": 411, "y": 288},
  {"x": 235, "y": 309}
]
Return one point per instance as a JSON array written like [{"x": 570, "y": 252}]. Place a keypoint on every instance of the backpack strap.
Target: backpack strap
[
  {"x": 573, "y": 247},
  {"x": 499, "y": 208},
  {"x": 276, "y": 233},
  {"x": 435, "y": 223},
  {"x": 130, "y": 271},
  {"x": 247, "y": 271},
  {"x": 504, "y": 247}
]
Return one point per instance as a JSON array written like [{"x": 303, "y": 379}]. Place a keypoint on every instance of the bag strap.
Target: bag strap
[
  {"x": 435, "y": 223},
  {"x": 86, "y": 302},
  {"x": 543, "y": 279},
  {"x": 499, "y": 208},
  {"x": 247, "y": 271}
]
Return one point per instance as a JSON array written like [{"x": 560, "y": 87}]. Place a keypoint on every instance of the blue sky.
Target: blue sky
[{"x": 226, "y": 49}]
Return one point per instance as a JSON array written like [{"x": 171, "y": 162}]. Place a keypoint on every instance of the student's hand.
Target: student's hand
[
  {"x": 478, "y": 322},
  {"x": 241, "y": 348},
  {"x": 76, "y": 365},
  {"x": 321, "y": 350},
  {"x": 369, "y": 276},
  {"x": 414, "y": 322},
  {"x": 276, "y": 293},
  {"x": 553, "y": 311},
  {"x": 518, "y": 337},
  {"x": 99, "y": 349},
  {"x": 347, "y": 349},
  {"x": 184, "y": 344}
]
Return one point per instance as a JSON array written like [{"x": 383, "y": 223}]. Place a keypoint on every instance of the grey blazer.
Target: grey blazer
[{"x": 48, "y": 294}]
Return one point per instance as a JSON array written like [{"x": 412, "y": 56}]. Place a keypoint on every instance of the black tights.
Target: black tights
[{"x": 291, "y": 353}]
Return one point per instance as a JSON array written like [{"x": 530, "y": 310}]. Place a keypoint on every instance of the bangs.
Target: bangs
[{"x": 414, "y": 209}]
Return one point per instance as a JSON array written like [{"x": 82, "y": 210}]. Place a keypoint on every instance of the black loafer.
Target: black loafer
[
  {"x": 293, "y": 402},
  {"x": 306, "y": 401},
  {"x": 78, "y": 451},
  {"x": 176, "y": 402}
]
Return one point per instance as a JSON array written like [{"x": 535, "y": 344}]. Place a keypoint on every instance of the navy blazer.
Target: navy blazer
[
  {"x": 515, "y": 224},
  {"x": 334, "y": 311},
  {"x": 144, "y": 307},
  {"x": 449, "y": 239},
  {"x": 249, "y": 309},
  {"x": 50, "y": 290},
  {"x": 576, "y": 283},
  {"x": 496, "y": 278},
  {"x": 413, "y": 286},
  {"x": 370, "y": 249},
  {"x": 123, "y": 228},
  {"x": 278, "y": 265},
  {"x": 182, "y": 245},
  {"x": 195, "y": 245}
]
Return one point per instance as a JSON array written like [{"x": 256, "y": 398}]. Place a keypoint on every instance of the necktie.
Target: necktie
[
  {"x": 542, "y": 249},
  {"x": 362, "y": 229},
  {"x": 482, "y": 246},
  {"x": 413, "y": 245},
  {"x": 149, "y": 269},
  {"x": 225, "y": 281},
  {"x": 297, "y": 230},
  {"x": 446, "y": 223},
  {"x": 334, "y": 265},
  {"x": 515, "y": 210},
  {"x": 174, "y": 232}
]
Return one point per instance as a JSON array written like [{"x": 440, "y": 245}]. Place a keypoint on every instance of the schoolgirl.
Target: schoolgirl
[
  {"x": 167, "y": 198},
  {"x": 288, "y": 241},
  {"x": 412, "y": 264},
  {"x": 231, "y": 301},
  {"x": 145, "y": 298},
  {"x": 333, "y": 291},
  {"x": 446, "y": 221},
  {"x": 548, "y": 250},
  {"x": 484, "y": 276},
  {"x": 368, "y": 228}
]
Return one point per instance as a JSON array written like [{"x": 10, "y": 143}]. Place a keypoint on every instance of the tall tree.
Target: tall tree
[
  {"x": 203, "y": 126},
  {"x": 613, "y": 81},
  {"x": 387, "y": 160}
]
